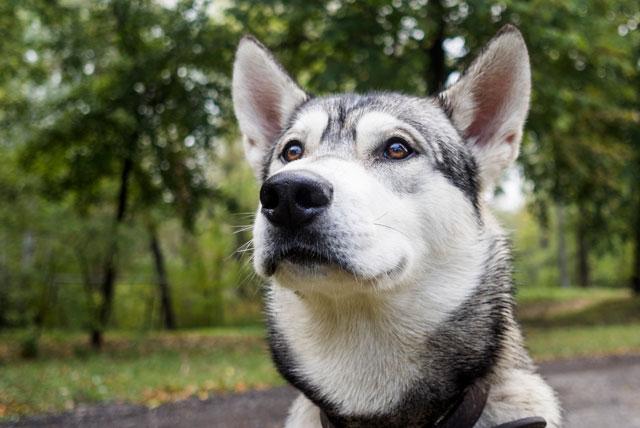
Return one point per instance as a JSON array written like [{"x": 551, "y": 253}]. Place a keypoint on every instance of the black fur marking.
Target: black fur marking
[
  {"x": 328, "y": 130},
  {"x": 266, "y": 162},
  {"x": 460, "y": 168},
  {"x": 337, "y": 118},
  {"x": 461, "y": 351},
  {"x": 445, "y": 104},
  {"x": 342, "y": 114}
]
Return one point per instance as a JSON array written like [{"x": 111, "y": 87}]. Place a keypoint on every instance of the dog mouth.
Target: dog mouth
[
  {"x": 311, "y": 259},
  {"x": 305, "y": 257}
]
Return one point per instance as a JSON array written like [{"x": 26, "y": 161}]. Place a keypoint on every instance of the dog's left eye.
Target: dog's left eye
[
  {"x": 397, "y": 148},
  {"x": 292, "y": 151}
]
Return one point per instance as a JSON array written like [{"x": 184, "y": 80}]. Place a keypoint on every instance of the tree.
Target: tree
[{"x": 129, "y": 110}]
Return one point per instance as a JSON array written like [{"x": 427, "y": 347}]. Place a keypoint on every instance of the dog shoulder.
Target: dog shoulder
[
  {"x": 520, "y": 393},
  {"x": 303, "y": 414}
]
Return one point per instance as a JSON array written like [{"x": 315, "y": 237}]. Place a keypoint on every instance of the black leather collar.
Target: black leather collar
[{"x": 463, "y": 413}]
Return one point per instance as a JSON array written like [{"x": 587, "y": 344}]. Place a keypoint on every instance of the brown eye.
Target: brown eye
[
  {"x": 397, "y": 148},
  {"x": 292, "y": 151}
]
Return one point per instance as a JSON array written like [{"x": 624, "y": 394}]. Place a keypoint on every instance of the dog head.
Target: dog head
[{"x": 363, "y": 192}]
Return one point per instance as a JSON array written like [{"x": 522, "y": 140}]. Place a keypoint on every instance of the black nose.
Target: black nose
[{"x": 293, "y": 199}]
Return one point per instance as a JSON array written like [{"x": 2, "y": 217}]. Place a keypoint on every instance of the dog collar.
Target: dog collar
[{"x": 464, "y": 413}]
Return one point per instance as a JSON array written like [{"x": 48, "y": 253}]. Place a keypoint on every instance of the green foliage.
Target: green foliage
[{"x": 121, "y": 86}]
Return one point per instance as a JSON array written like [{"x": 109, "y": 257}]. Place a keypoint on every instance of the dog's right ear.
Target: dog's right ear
[
  {"x": 489, "y": 104},
  {"x": 264, "y": 96}
]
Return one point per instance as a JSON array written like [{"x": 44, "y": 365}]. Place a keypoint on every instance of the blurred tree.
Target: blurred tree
[
  {"x": 129, "y": 106},
  {"x": 574, "y": 153}
]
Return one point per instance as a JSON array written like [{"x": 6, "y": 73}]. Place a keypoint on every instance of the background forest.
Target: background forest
[{"x": 125, "y": 200}]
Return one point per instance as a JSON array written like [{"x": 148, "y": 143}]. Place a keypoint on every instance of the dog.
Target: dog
[{"x": 390, "y": 298}]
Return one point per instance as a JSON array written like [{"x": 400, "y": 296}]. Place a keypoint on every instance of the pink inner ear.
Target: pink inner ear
[
  {"x": 267, "y": 102},
  {"x": 511, "y": 138},
  {"x": 491, "y": 90}
]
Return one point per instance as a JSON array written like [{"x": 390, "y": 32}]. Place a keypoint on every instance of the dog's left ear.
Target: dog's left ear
[
  {"x": 489, "y": 104},
  {"x": 264, "y": 96}
]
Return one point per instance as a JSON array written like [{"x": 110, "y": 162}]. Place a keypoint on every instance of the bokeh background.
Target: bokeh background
[{"x": 125, "y": 204}]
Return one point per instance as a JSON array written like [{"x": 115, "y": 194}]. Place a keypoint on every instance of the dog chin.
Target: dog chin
[{"x": 334, "y": 279}]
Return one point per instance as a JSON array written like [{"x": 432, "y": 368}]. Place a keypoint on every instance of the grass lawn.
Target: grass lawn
[
  {"x": 569, "y": 323},
  {"x": 150, "y": 369},
  {"x": 164, "y": 366}
]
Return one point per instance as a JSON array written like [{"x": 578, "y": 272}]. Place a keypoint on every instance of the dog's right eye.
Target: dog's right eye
[
  {"x": 292, "y": 151},
  {"x": 396, "y": 148}
]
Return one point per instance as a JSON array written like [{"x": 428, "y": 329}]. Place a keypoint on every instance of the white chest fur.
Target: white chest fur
[{"x": 352, "y": 351}]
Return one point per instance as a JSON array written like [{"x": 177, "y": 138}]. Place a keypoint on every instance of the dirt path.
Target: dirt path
[
  {"x": 598, "y": 393},
  {"x": 595, "y": 393}
]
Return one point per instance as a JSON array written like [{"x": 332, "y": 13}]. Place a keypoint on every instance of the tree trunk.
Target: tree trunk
[
  {"x": 562, "y": 247},
  {"x": 49, "y": 295},
  {"x": 435, "y": 73},
  {"x": 5, "y": 285},
  {"x": 4, "y": 302},
  {"x": 163, "y": 282},
  {"x": 635, "y": 282},
  {"x": 584, "y": 270},
  {"x": 88, "y": 285},
  {"x": 110, "y": 269},
  {"x": 28, "y": 251}
]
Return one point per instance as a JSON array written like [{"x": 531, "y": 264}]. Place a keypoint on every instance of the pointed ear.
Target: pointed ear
[
  {"x": 264, "y": 96},
  {"x": 489, "y": 104}
]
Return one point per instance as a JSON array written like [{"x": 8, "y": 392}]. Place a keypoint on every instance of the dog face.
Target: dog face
[{"x": 369, "y": 192}]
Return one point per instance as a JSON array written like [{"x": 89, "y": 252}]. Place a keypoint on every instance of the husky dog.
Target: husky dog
[{"x": 390, "y": 299}]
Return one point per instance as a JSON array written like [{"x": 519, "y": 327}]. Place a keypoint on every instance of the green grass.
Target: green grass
[
  {"x": 157, "y": 367},
  {"x": 527, "y": 295},
  {"x": 150, "y": 370},
  {"x": 576, "y": 341},
  {"x": 570, "y": 323}
]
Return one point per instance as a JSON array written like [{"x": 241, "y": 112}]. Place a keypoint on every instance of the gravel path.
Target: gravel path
[{"x": 595, "y": 393}]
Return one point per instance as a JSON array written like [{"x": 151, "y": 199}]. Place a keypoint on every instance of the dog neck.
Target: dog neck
[
  {"x": 381, "y": 358},
  {"x": 462, "y": 413}
]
